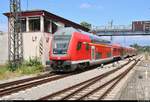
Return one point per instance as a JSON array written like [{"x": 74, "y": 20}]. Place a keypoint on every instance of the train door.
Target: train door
[{"x": 92, "y": 52}]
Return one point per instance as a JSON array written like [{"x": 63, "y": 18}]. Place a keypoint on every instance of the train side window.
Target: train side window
[
  {"x": 87, "y": 47},
  {"x": 98, "y": 55},
  {"x": 79, "y": 45},
  {"x": 115, "y": 49},
  {"x": 108, "y": 54}
]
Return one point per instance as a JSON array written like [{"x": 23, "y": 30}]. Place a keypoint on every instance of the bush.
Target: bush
[
  {"x": 33, "y": 62},
  {"x": 32, "y": 66},
  {"x": 9, "y": 67}
]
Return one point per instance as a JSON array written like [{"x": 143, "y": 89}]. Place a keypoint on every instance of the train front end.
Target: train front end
[{"x": 59, "y": 57}]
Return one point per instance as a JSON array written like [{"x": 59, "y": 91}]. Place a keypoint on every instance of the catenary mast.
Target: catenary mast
[{"x": 15, "y": 38}]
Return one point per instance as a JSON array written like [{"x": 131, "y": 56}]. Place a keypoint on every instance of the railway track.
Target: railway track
[
  {"x": 10, "y": 84},
  {"x": 13, "y": 87},
  {"x": 94, "y": 88},
  {"x": 16, "y": 86},
  {"x": 21, "y": 81}
]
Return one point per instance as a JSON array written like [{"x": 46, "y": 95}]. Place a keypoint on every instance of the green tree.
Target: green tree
[
  {"x": 141, "y": 48},
  {"x": 135, "y": 45},
  {"x": 86, "y": 25}
]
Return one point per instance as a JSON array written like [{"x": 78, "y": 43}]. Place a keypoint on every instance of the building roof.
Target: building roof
[{"x": 51, "y": 16}]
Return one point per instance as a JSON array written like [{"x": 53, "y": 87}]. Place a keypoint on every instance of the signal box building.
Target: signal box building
[{"x": 37, "y": 28}]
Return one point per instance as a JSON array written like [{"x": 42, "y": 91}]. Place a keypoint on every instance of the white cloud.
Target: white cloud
[
  {"x": 85, "y": 5},
  {"x": 88, "y": 5}
]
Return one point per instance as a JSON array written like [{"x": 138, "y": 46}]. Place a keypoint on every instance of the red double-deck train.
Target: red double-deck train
[{"x": 72, "y": 49}]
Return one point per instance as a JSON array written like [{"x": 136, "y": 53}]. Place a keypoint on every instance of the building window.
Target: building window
[
  {"x": 47, "y": 25},
  {"x": 34, "y": 24},
  {"x": 23, "y": 24}
]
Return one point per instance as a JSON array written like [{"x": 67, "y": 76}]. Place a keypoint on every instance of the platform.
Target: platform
[{"x": 138, "y": 86}]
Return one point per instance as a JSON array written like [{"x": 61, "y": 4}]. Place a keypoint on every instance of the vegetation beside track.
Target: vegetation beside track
[
  {"x": 140, "y": 48},
  {"x": 33, "y": 66}
]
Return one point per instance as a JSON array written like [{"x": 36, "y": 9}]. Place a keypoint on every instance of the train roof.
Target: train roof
[
  {"x": 96, "y": 37},
  {"x": 70, "y": 30},
  {"x": 128, "y": 47},
  {"x": 116, "y": 45},
  {"x": 65, "y": 31}
]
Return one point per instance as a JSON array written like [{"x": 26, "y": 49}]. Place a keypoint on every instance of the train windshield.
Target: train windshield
[{"x": 60, "y": 44}]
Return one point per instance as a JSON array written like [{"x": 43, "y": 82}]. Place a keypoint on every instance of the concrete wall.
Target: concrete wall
[
  {"x": 3, "y": 48},
  {"x": 36, "y": 44}
]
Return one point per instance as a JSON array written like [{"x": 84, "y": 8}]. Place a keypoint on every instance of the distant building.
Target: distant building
[
  {"x": 143, "y": 26},
  {"x": 38, "y": 27}
]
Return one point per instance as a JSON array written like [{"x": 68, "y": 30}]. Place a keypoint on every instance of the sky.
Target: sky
[{"x": 96, "y": 12}]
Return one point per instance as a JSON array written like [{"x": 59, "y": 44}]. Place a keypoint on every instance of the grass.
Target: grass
[
  {"x": 6, "y": 74},
  {"x": 33, "y": 66},
  {"x": 27, "y": 70}
]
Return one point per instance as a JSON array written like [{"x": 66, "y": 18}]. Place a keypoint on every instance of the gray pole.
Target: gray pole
[{"x": 111, "y": 39}]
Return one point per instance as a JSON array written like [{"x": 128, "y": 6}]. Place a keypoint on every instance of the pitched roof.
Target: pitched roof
[{"x": 51, "y": 16}]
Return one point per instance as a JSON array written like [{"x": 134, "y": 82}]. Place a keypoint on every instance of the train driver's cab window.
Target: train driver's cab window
[
  {"x": 79, "y": 45},
  {"x": 34, "y": 24}
]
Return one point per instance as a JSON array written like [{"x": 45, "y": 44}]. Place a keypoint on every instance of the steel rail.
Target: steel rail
[
  {"x": 107, "y": 83},
  {"x": 77, "y": 85},
  {"x": 21, "y": 86},
  {"x": 121, "y": 77},
  {"x": 30, "y": 84},
  {"x": 84, "y": 87},
  {"x": 9, "y": 90},
  {"x": 10, "y": 84}
]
